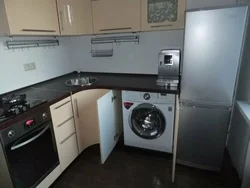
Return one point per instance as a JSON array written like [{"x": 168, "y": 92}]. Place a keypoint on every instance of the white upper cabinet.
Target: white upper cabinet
[
  {"x": 75, "y": 17},
  {"x": 114, "y": 16},
  {"x": 162, "y": 14},
  {"x": 29, "y": 17}
]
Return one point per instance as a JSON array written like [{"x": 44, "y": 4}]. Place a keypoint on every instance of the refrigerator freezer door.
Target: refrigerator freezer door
[
  {"x": 212, "y": 49},
  {"x": 202, "y": 136}
]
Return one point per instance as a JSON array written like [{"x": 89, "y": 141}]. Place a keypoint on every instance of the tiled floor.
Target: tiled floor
[{"x": 132, "y": 168}]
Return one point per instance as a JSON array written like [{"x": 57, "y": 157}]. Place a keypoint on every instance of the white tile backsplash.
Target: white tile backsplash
[{"x": 50, "y": 62}]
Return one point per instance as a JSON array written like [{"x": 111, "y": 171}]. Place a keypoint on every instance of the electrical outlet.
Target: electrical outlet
[
  {"x": 25, "y": 67},
  {"x": 29, "y": 66}
]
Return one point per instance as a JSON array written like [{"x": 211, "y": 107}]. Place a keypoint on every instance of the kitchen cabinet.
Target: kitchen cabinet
[
  {"x": 162, "y": 14},
  {"x": 65, "y": 132},
  {"x": 86, "y": 117},
  {"x": 114, "y": 16},
  {"x": 98, "y": 119},
  {"x": 29, "y": 17},
  {"x": 75, "y": 17}
]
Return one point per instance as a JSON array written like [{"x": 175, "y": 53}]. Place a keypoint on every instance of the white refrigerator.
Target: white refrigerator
[{"x": 213, "y": 44}]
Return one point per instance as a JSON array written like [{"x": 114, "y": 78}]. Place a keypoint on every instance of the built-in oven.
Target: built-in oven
[{"x": 30, "y": 149}]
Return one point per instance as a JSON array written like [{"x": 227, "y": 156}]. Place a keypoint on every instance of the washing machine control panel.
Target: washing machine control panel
[{"x": 149, "y": 97}]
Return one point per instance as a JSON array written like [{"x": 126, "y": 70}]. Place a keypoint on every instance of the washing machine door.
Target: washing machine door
[{"x": 147, "y": 121}]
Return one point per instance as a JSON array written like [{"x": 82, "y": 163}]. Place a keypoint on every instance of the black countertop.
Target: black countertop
[{"x": 55, "y": 89}]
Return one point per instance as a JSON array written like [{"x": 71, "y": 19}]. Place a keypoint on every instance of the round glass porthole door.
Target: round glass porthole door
[{"x": 147, "y": 121}]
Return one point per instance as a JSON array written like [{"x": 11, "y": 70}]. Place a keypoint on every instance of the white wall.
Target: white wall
[
  {"x": 128, "y": 57},
  {"x": 134, "y": 58},
  {"x": 49, "y": 63}
]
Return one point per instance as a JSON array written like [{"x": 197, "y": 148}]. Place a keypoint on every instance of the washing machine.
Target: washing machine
[{"x": 148, "y": 120}]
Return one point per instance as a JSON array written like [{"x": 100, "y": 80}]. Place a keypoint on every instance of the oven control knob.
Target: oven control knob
[
  {"x": 45, "y": 115},
  {"x": 11, "y": 134},
  {"x": 146, "y": 96}
]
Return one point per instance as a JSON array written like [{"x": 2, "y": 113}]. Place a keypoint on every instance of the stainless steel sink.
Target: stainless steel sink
[{"x": 82, "y": 81}]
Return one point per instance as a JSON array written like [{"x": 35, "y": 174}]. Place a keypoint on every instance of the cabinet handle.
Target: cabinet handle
[
  {"x": 61, "y": 18},
  {"x": 77, "y": 110},
  {"x": 68, "y": 137},
  {"x": 115, "y": 29},
  {"x": 61, "y": 124},
  {"x": 61, "y": 105},
  {"x": 39, "y": 30},
  {"x": 166, "y": 25}
]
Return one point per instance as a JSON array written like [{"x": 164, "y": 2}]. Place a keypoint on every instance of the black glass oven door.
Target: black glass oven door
[
  {"x": 32, "y": 157},
  {"x": 147, "y": 121}
]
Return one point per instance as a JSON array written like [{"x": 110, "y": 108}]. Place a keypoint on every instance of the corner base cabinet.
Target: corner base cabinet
[{"x": 98, "y": 119}]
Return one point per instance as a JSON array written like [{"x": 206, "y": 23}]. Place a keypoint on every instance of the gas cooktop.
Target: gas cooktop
[{"x": 16, "y": 106}]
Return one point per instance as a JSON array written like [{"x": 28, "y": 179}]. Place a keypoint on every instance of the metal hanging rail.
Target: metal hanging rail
[
  {"x": 31, "y": 43},
  {"x": 116, "y": 39}
]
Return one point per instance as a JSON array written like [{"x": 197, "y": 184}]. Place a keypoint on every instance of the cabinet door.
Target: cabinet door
[
  {"x": 86, "y": 117},
  {"x": 107, "y": 127},
  {"x": 162, "y": 14},
  {"x": 75, "y": 17},
  {"x": 114, "y": 16},
  {"x": 32, "y": 17}
]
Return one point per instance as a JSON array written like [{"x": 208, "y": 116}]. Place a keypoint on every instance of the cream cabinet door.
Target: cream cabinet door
[
  {"x": 115, "y": 16},
  {"x": 75, "y": 17},
  {"x": 162, "y": 14},
  {"x": 86, "y": 117},
  {"x": 32, "y": 17}
]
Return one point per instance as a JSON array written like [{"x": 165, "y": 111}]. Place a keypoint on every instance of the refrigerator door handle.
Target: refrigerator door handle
[{"x": 194, "y": 105}]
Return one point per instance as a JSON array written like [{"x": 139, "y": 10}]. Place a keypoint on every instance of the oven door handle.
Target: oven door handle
[{"x": 30, "y": 140}]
